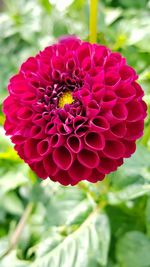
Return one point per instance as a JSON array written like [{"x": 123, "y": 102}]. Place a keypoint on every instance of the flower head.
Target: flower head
[{"x": 74, "y": 111}]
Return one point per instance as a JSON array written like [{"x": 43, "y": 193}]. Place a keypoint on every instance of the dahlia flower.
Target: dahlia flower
[{"x": 74, "y": 111}]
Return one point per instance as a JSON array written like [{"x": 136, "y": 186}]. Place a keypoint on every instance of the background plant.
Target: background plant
[{"x": 91, "y": 225}]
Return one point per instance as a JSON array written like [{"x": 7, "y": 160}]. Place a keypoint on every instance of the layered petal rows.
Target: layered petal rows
[{"x": 74, "y": 111}]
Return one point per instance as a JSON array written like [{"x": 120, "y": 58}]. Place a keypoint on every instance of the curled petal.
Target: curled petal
[
  {"x": 7, "y": 104},
  {"x": 119, "y": 130},
  {"x": 134, "y": 130},
  {"x": 138, "y": 89},
  {"x": 57, "y": 140},
  {"x": 125, "y": 93},
  {"x": 99, "y": 124},
  {"x": 30, "y": 150},
  {"x": 49, "y": 165},
  {"x": 13, "y": 117},
  {"x": 86, "y": 63},
  {"x": 114, "y": 149},
  {"x": 112, "y": 79},
  {"x": 63, "y": 115},
  {"x": 71, "y": 64},
  {"x": 9, "y": 128},
  {"x": 83, "y": 52},
  {"x": 64, "y": 129},
  {"x": 17, "y": 78},
  {"x": 50, "y": 128},
  {"x": 97, "y": 75},
  {"x": 25, "y": 113},
  {"x": 61, "y": 49},
  {"x": 37, "y": 132},
  {"x": 64, "y": 178},
  {"x": 88, "y": 158},
  {"x": 98, "y": 91},
  {"x": 78, "y": 172},
  {"x": 130, "y": 148},
  {"x": 94, "y": 140},
  {"x": 127, "y": 73},
  {"x": 96, "y": 176},
  {"x": 109, "y": 100},
  {"x": 38, "y": 167},
  {"x": 18, "y": 139},
  {"x": 144, "y": 108},
  {"x": 18, "y": 88},
  {"x": 119, "y": 162},
  {"x": 78, "y": 121},
  {"x": 62, "y": 157},
  {"x": 101, "y": 53},
  {"x": 113, "y": 61},
  {"x": 81, "y": 131},
  {"x": 56, "y": 75},
  {"x": 20, "y": 151},
  {"x": 119, "y": 112},
  {"x": 92, "y": 109},
  {"x": 57, "y": 63},
  {"x": 28, "y": 98},
  {"x": 107, "y": 165},
  {"x": 44, "y": 147},
  {"x": 85, "y": 95},
  {"x": 39, "y": 120},
  {"x": 74, "y": 143},
  {"x": 135, "y": 111},
  {"x": 30, "y": 65},
  {"x": 71, "y": 42}
]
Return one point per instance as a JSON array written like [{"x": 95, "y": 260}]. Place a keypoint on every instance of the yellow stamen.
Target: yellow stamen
[{"x": 66, "y": 98}]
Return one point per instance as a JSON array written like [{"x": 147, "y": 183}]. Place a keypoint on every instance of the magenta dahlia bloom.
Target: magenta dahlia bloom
[{"x": 74, "y": 111}]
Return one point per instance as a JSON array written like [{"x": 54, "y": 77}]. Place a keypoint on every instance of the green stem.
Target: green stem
[
  {"x": 19, "y": 229},
  {"x": 93, "y": 21}
]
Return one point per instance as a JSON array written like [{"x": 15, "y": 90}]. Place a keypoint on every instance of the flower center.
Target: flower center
[{"x": 65, "y": 98}]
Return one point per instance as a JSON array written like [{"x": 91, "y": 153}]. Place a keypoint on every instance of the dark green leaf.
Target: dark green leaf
[{"x": 133, "y": 250}]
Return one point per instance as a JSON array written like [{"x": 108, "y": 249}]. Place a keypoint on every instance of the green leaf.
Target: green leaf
[
  {"x": 3, "y": 245},
  {"x": 133, "y": 250},
  {"x": 147, "y": 214},
  {"x": 112, "y": 15},
  {"x": 112, "y": 264},
  {"x": 4, "y": 141},
  {"x": 89, "y": 242},
  {"x": 125, "y": 218},
  {"x": 139, "y": 161},
  {"x": 129, "y": 193},
  {"x": 12, "y": 203},
  {"x": 47, "y": 244},
  {"x": 13, "y": 260},
  {"x": 13, "y": 179},
  {"x": 135, "y": 170},
  {"x": 133, "y": 4},
  {"x": 59, "y": 28},
  {"x": 65, "y": 204},
  {"x": 120, "y": 179},
  {"x": 46, "y": 5}
]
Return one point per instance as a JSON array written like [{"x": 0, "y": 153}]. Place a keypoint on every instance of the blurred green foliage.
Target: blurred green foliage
[{"x": 90, "y": 225}]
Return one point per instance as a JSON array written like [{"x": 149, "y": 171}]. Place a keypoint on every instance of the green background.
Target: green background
[{"x": 90, "y": 225}]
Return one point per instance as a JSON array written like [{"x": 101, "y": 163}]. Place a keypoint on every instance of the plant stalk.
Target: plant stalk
[
  {"x": 93, "y": 21},
  {"x": 19, "y": 229}
]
